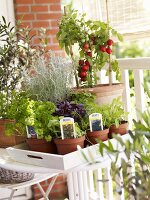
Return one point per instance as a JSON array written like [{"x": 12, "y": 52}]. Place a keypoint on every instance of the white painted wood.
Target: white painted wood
[
  {"x": 7, "y": 10},
  {"x": 134, "y": 63},
  {"x": 85, "y": 185},
  {"x": 131, "y": 170},
  {"x": 75, "y": 186},
  {"x": 126, "y": 95},
  {"x": 70, "y": 186},
  {"x": 81, "y": 187},
  {"x": 139, "y": 91},
  {"x": 108, "y": 183},
  {"x": 119, "y": 187},
  {"x": 90, "y": 181},
  {"x": 99, "y": 184}
]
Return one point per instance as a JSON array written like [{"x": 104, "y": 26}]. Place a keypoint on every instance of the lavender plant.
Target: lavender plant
[{"x": 49, "y": 79}]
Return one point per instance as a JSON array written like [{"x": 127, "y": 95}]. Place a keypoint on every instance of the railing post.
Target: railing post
[
  {"x": 126, "y": 95},
  {"x": 139, "y": 91}
]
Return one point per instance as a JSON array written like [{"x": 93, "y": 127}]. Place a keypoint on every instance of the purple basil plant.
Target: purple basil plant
[{"x": 69, "y": 109}]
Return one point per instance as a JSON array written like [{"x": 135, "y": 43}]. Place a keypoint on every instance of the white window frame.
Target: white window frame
[{"x": 7, "y": 10}]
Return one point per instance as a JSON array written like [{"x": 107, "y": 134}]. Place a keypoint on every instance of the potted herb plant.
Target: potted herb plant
[
  {"x": 88, "y": 100},
  {"x": 42, "y": 80},
  {"x": 72, "y": 137},
  {"x": 41, "y": 136},
  {"x": 95, "y": 47},
  {"x": 117, "y": 117}
]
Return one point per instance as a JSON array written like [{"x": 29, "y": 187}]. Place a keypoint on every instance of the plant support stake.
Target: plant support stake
[{"x": 110, "y": 67}]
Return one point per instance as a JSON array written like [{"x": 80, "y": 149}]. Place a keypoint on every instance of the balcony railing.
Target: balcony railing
[{"x": 94, "y": 181}]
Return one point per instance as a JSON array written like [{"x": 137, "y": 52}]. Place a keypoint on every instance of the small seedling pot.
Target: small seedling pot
[
  {"x": 68, "y": 145},
  {"x": 94, "y": 136},
  {"x": 8, "y": 141},
  {"x": 41, "y": 145},
  {"x": 121, "y": 129}
]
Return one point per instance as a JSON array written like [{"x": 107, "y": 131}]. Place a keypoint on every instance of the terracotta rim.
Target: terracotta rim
[
  {"x": 6, "y": 121},
  {"x": 102, "y": 88},
  {"x": 69, "y": 140}
]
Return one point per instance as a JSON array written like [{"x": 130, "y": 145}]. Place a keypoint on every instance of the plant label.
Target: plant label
[
  {"x": 95, "y": 120},
  {"x": 31, "y": 132},
  {"x": 67, "y": 127}
]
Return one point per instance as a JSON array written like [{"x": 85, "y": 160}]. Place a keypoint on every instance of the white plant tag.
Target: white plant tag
[
  {"x": 95, "y": 120},
  {"x": 30, "y": 132},
  {"x": 67, "y": 128}
]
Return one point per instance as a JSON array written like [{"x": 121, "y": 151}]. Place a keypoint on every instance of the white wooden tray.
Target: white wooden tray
[{"x": 21, "y": 154}]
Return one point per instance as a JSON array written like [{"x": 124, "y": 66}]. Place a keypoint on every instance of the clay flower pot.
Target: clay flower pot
[
  {"x": 8, "y": 141},
  {"x": 104, "y": 93},
  {"x": 41, "y": 145},
  {"x": 68, "y": 145},
  {"x": 122, "y": 129},
  {"x": 93, "y": 136}
]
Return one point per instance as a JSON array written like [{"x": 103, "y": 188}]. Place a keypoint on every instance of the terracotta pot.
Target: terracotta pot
[
  {"x": 104, "y": 93},
  {"x": 41, "y": 145},
  {"x": 122, "y": 129},
  {"x": 8, "y": 141},
  {"x": 97, "y": 135},
  {"x": 68, "y": 145}
]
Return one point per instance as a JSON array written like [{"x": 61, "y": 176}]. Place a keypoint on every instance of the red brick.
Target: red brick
[
  {"x": 39, "y": 24},
  {"x": 23, "y": 1},
  {"x": 49, "y": 16},
  {"x": 52, "y": 31},
  {"x": 39, "y": 8},
  {"x": 60, "y": 186},
  {"x": 55, "y": 23},
  {"x": 25, "y": 25},
  {"x": 47, "y": 1},
  {"x": 22, "y": 9},
  {"x": 55, "y": 7},
  {"x": 25, "y": 16},
  {"x": 54, "y": 48}
]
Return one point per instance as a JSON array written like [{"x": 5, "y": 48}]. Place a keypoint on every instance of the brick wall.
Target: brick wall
[
  {"x": 41, "y": 13},
  {"x": 36, "y": 14},
  {"x": 59, "y": 190}
]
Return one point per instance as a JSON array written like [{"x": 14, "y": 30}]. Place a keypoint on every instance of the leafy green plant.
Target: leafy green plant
[
  {"x": 39, "y": 118},
  {"x": 49, "y": 79},
  {"x": 17, "y": 110},
  {"x": 94, "y": 46},
  {"x": 135, "y": 184},
  {"x": 111, "y": 113}
]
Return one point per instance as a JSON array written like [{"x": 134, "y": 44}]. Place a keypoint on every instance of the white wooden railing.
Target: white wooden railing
[
  {"x": 137, "y": 65},
  {"x": 94, "y": 181}
]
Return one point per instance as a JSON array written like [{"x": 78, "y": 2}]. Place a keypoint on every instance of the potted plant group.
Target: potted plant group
[{"x": 95, "y": 47}]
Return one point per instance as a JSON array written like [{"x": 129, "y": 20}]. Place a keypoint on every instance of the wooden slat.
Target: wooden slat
[
  {"x": 109, "y": 186},
  {"x": 119, "y": 187},
  {"x": 80, "y": 183},
  {"x": 75, "y": 186},
  {"x": 85, "y": 185},
  {"x": 126, "y": 95},
  {"x": 99, "y": 184},
  {"x": 70, "y": 186},
  {"x": 139, "y": 91}
]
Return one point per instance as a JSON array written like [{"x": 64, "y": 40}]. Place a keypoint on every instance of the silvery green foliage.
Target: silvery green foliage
[{"x": 49, "y": 79}]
